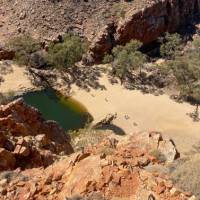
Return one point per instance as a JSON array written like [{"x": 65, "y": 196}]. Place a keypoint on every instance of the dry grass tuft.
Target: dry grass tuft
[{"x": 186, "y": 175}]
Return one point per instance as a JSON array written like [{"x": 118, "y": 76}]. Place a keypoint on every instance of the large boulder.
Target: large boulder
[
  {"x": 27, "y": 137},
  {"x": 7, "y": 160},
  {"x": 37, "y": 60},
  {"x": 154, "y": 142}
]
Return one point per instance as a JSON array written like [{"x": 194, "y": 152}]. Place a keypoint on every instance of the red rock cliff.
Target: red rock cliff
[
  {"x": 146, "y": 24},
  {"x": 26, "y": 139}
]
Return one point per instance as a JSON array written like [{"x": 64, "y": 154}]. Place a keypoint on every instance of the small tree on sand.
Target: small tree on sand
[
  {"x": 187, "y": 72},
  {"x": 171, "y": 44},
  {"x": 127, "y": 58}
]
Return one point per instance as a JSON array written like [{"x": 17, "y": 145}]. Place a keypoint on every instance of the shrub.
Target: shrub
[
  {"x": 23, "y": 46},
  {"x": 158, "y": 155},
  {"x": 119, "y": 10},
  {"x": 183, "y": 72},
  {"x": 186, "y": 69},
  {"x": 6, "y": 98},
  {"x": 171, "y": 45},
  {"x": 196, "y": 43},
  {"x": 187, "y": 72},
  {"x": 127, "y": 58},
  {"x": 106, "y": 150},
  {"x": 65, "y": 54},
  {"x": 83, "y": 137},
  {"x": 107, "y": 59},
  {"x": 3, "y": 99}
]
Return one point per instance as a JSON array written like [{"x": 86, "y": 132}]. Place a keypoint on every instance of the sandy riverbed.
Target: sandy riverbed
[
  {"x": 145, "y": 112},
  {"x": 15, "y": 78},
  {"x": 149, "y": 112}
]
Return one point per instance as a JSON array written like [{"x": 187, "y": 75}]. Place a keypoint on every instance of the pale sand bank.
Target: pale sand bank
[
  {"x": 15, "y": 79},
  {"x": 150, "y": 112}
]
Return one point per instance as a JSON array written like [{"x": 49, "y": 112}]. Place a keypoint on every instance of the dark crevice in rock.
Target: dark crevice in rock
[{"x": 169, "y": 9}]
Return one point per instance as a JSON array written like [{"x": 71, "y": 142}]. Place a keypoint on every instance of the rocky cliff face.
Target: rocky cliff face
[
  {"x": 150, "y": 22},
  {"x": 145, "y": 24},
  {"x": 27, "y": 140},
  {"x": 98, "y": 21}
]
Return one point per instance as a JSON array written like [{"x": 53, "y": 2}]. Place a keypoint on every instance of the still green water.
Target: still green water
[{"x": 68, "y": 112}]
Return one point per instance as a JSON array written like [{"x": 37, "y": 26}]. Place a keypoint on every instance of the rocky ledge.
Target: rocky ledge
[
  {"x": 27, "y": 140},
  {"x": 110, "y": 170}
]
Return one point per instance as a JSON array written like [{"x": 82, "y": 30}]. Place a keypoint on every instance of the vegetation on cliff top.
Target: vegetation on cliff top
[
  {"x": 62, "y": 54},
  {"x": 23, "y": 46},
  {"x": 65, "y": 54},
  {"x": 124, "y": 60}
]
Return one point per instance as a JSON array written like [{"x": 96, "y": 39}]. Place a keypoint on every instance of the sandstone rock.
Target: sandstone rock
[
  {"x": 112, "y": 177},
  {"x": 17, "y": 149},
  {"x": 174, "y": 192},
  {"x": 37, "y": 60},
  {"x": 169, "y": 184},
  {"x": 24, "y": 151},
  {"x": 106, "y": 121},
  {"x": 155, "y": 19},
  {"x": 168, "y": 149},
  {"x": 6, "y": 54},
  {"x": 3, "y": 182},
  {"x": 33, "y": 141},
  {"x": 153, "y": 141},
  {"x": 2, "y": 139},
  {"x": 9, "y": 145},
  {"x": 16, "y": 117},
  {"x": 192, "y": 198},
  {"x": 42, "y": 140},
  {"x": 7, "y": 160},
  {"x": 3, "y": 191},
  {"x": 103, "y": 42}
]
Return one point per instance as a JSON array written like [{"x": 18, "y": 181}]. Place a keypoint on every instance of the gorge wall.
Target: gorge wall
[
  {"x": 101, "y": 22},
  {"x": 145, "y": 24}
]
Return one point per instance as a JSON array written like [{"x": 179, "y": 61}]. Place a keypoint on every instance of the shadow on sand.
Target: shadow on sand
[{"x": 116, "y": 129}]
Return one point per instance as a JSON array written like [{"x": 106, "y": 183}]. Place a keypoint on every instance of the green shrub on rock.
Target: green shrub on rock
[
  {"x": 107, "y": 59},
  {"x": 23, "y": 46},
  {"x": 65, "y": 54},
  {"x": 127, "y": 58},
  {"x": 171, "y": 44}
]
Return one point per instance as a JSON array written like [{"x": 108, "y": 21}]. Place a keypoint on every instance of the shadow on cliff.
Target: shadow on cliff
[{"x": 190, "y": 29}]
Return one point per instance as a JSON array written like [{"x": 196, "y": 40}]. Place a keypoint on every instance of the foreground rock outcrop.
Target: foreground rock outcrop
[
  {"x": 27, "y": 140},
  {"x": 110, "y": 170},
  {"x": 37, "y": 162}
]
